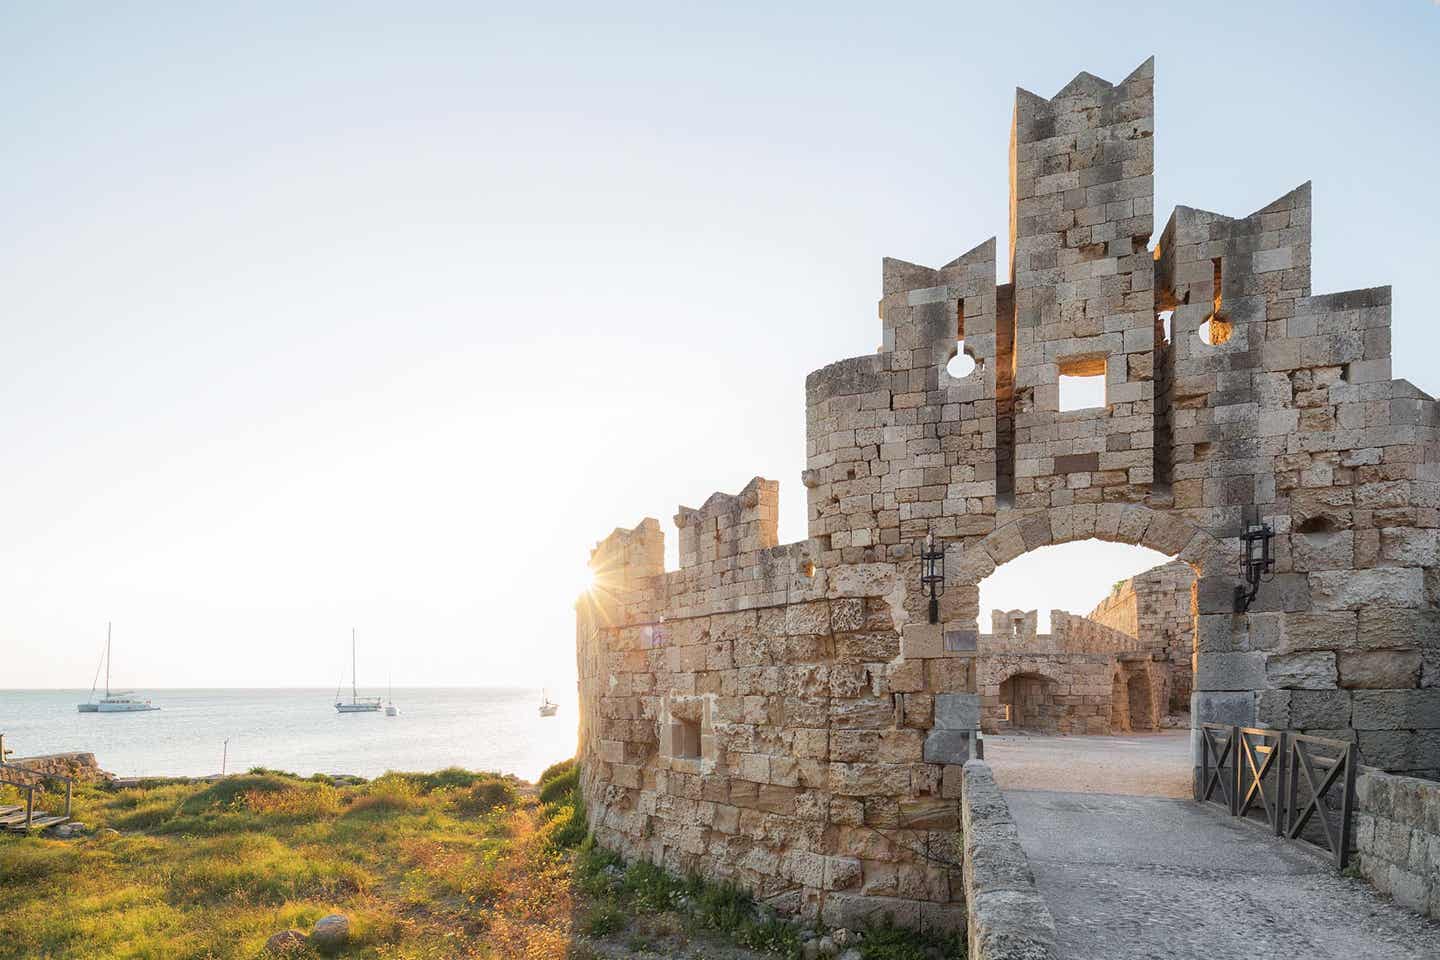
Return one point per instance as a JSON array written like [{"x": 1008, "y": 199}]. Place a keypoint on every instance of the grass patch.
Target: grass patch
[
  {"x": 889, "y": 942},
  {"x": 426, "y": 866}
]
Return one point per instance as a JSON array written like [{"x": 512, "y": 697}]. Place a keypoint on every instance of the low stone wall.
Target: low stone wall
[
  {"x": 1397, "y": 838},
  {"x": 1006, "y": 917},
  {"x": 79, "y": 766}
]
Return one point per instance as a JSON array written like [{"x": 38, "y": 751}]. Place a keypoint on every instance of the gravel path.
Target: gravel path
[{"x": 1143, "y": 764}]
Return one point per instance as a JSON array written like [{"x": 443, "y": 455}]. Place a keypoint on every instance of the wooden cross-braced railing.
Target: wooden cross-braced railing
[{"x": 1300, "y": 786}]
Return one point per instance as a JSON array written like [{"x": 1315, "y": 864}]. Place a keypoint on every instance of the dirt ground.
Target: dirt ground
[{"x": 1141, "y": 764}]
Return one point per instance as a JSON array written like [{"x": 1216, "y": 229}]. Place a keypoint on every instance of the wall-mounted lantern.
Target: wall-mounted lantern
[
  {"x": 1255, "y": 564},
  {"x": 932, "y": 573}
]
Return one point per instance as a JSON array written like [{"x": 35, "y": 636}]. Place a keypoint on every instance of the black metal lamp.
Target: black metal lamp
[
  {"x": 1254, "y": 569},
  {"x": 932, "y": 573}
]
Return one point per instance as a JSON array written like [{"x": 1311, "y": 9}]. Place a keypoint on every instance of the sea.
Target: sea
[{"x": 299, "y": 730}]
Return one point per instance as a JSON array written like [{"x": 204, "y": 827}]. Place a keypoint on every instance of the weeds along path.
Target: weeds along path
[{"x": 532, "y": 917}]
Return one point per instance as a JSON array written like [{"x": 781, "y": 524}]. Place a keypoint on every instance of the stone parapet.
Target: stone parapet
[
  {"x": 1007, "y": 919},
  {"x": 1397, "y": 837}
]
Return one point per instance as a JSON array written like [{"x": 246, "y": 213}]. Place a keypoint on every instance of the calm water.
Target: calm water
[{"x": 297, "y": 730}]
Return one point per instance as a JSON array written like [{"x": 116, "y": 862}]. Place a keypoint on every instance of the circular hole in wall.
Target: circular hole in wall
[
  {"x": 961, "y": 365},
  {"x": 1215, "y": 331}
]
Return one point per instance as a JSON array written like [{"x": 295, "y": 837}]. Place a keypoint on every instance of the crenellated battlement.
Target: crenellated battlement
[{"x": 729, "y": 525}]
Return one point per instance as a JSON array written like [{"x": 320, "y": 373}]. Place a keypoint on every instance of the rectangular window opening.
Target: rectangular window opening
[
  {"x": 684, "y": 739},
  {"x": 1082, "y": 383}
]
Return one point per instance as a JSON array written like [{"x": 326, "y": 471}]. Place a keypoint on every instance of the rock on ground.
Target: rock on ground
[
  {"x": 331, "y": 932},
  {"x": 285, "y": 942}
]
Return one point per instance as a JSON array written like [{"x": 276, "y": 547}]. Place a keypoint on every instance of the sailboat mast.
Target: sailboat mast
[
  {"x": 354, "y": 693},
  {"x": 107, "y": 658}
]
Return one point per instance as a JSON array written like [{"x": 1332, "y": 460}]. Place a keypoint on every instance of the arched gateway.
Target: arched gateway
[{"x": 790, "y": 718}]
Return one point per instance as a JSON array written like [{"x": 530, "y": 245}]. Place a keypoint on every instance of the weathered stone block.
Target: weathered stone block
[
  {"x": 1396, "y": 709},
  {"x": 1304, "y": 671},
  {"x": 1330, "y": 630},
  {"x": 808, "y": 618},
  {"x": 1319, "y": 709},
  {"x": 1381, "y": 586},
  {"x": 847, "y": 614},
  {"x": 920, "y": 641},
  {"x": 1230, "y": 671},
  {"x": 1379, "y": 669},
  {"x": 947, "y": 746},
  {"x": 957, "y": 711}
]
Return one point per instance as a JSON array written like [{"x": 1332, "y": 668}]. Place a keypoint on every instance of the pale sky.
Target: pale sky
[{"x": 380, "y": 316}]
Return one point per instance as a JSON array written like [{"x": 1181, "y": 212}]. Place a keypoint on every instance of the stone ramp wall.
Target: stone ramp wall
[
  {"x": 1006, "y": 917},
  {"x": 1397, "y": 838},
  {"x": 79, "y": 766}
]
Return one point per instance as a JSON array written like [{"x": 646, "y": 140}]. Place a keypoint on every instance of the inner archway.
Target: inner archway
[
  {"x": 1085, "y": 647},
  {"x": 1027, "y": 702}
]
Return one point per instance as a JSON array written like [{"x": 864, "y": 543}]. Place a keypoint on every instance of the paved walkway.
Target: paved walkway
[{"x": 1166, "y": 879}]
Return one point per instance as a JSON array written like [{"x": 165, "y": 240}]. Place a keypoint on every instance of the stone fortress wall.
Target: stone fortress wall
[
  {"x": 1157, "y": 607},
  {"x": 785, "y": 715},
  {"x": 1082, "y": 677}
]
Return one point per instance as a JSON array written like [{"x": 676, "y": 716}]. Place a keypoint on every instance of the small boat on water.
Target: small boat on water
[
  {"x": 357, "y": 704},
  {"x": 390, "y": 709},
  {"x": 113, "y": 702},
  {"x": 548, "y": 707}
]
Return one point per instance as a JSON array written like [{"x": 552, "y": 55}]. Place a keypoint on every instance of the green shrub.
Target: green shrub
[
  {"x": 392, "y": 793},
  {"x": 591, "y": 863},
  {"x": 555, "y": 770},
  {"x": 722, "y": 906},
  {"x": 268, "y": 772},
  {"x": 650, "y": 889},
  {"x": 604, "y": 919},
  {"x": 485, "y": 796},
  {"x": 886, "y": 941},
  {"x": 559, "y": 785},
  {"x": 223, "y": 793},
  {"x": 566, "y": 822},
  {"x": 451, "y": 778},
  {"x": 772, "y": 935}
]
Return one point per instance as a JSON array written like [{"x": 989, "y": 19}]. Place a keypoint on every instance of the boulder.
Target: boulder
[
  {"x": 330, "y": 933},
  {"x": 285, "y": 943}
]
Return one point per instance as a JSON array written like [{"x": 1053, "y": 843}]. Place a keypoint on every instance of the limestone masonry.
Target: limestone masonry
[{"x": 786, "y": 716}]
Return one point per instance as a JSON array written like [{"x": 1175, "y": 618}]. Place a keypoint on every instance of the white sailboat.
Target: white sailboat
[
  {"x": 390, "y": 709},
  {"x": 548, "y": 707},
  {"x": 116, "y": 702},
  {"x": 357, "y": 704}
]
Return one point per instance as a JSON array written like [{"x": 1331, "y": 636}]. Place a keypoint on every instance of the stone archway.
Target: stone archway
[
  {"x": 1164, "y": 532},
  {"x": 1133, "y": 698},
  {"x": 1026, "y": 696},
  {"x": 1141, "y": 707}
]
